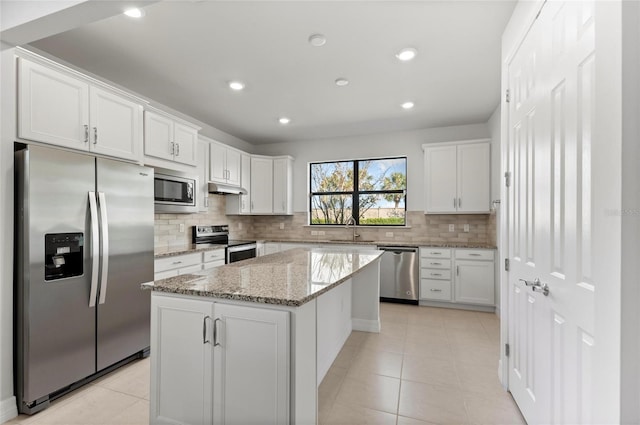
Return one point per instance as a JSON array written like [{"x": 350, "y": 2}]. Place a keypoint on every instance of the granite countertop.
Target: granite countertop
[
  {"x": 388, "y": 243},
  {"x": 290, "y": 278},
  {"x": 189, "y": 249}
]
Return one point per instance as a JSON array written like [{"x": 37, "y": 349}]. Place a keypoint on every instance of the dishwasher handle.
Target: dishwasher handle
[{"x": 398, "y": 249}]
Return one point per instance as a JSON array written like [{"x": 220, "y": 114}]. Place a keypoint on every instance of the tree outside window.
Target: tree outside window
[{"x": 372, "y": 191}]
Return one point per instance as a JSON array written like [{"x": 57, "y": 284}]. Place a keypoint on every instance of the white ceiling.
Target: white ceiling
[{"x": 183, "y": 53}]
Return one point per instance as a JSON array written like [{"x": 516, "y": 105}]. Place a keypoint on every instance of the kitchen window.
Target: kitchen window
[{"x": 372, "y": 191}]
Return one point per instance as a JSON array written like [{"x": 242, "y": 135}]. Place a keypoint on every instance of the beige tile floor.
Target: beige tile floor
[{"x": 427, "y": 366}]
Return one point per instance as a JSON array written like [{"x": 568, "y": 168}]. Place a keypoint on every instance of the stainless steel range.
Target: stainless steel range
[{"x": 236, "y": 250}]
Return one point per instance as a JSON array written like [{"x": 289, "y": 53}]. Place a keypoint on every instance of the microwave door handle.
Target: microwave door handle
[
  {"x": 105, "y": 246},
  {"x": 95, "y": 258}
]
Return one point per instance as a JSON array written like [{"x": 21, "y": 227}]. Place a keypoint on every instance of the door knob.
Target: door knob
[
  {"x": 535, "y": 282},
  {"x": 544, "y": 288}
]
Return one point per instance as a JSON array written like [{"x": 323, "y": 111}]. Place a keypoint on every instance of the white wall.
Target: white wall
[{"x": 407, "y": 144}]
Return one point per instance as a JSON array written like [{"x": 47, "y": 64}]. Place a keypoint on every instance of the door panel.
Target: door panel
[
  {"x": 550, "y": 127},
  {"x": 440, "y": 179},
  {"x": 57, "y": 326},
  {"x": 123, "y": 319}
]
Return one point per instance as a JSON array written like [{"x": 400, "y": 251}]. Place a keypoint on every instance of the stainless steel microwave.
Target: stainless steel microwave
[{"x": 174, "y": 192}]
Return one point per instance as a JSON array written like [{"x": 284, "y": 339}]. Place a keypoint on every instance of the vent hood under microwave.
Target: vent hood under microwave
[{"x": 225, "y": 189}]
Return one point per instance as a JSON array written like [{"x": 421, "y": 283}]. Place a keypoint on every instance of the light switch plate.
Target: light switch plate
[
  {"x": 314, "y": 233},
  {"x": 389, "y": 234},
  {"x": 281, "y": 226},
  {"x": 452, "y": 227},
  {"x": 320, "y": 232},
  {"x": 466, "y": 227},
  {"x": 181, "y": 227}
]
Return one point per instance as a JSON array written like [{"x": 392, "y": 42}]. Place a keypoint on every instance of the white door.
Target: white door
[
  {"x": 261, "y": 185},
  {"x": 181, "y": 363},
  {"x": 115, "y": 125},
  {"x": 473, "y": 175},
  {"x": 251, "y": 365},
  {"x": 53, "y": 106},
  {"x": 217, "y": 163},
  {"x": 440, "y": 179},
  {"x": 158, "y": 136},
  {"x": 186, "y": 140},
  {"x": 550, "y": 118}
]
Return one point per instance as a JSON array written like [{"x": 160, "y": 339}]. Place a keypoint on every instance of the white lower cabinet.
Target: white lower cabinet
[
  {"x": 457, "y": 276},
  {"x": 176, "y": 265},
  {"x": 475, "y": 283},
  {"x": 218, "y": 363}
]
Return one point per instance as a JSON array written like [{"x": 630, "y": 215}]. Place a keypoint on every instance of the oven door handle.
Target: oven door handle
[{"x": 239, "y": 248}]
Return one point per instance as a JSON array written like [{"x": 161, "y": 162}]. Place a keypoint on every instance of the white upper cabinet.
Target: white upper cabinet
[
  {"x": 457, "y": 177},
  {"x": 59, "y": 107},
  {"x": 261, "y": 185},
  {"x": 241, "y": 204},
  {"x": 283, "y": 185},
  {"x": 224, "y": 164},
  {"x": 169, "y": 138},
  {"x": 203, "y": 169}
]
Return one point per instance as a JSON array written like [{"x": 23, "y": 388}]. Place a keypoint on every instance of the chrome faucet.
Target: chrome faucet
[{"x": 352, "y": 221}]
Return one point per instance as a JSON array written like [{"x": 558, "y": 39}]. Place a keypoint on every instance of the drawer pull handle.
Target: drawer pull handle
[
  {"x": 435, "y": 290},
  {"x": 473, "y": 254},
  {"x": 177, "y": 262},
  {"x": 204, "y": 329},
  {"x": 436, "y": 274},
  {"x": 435, "y": 253},
  {"x": 436, "y": 264}
]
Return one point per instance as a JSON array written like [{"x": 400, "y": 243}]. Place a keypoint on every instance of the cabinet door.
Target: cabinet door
[
  {"x": 282, "y": 186},
  {"x": 115, "y": 125},
  {"x": 158, "y": 135},
  {"x": 203, "y": 169},
  {"x": 474, "y": 282},
  {"x": 233, "y": 167},
  {"x": 473, "y": 178},
  {"x": 182, "y": 360},
  {"x": 217, "y": 163},
  {"x": 261, "y": 186},
  {"x": 245, "y": 182},
  {"x": 53, "y": 107},
  {"x": 440, "y": 179},
  {"x": 251, "y": 366},
  {"x": 186, "y": 140}
]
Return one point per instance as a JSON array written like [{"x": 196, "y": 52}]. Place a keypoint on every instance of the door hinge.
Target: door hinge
[
  {"x": 506, "y": 264},
  {"x": 507, "y": 179},
  {"x": 507, "y": 96},
  {"x": 506, "y": 350}
]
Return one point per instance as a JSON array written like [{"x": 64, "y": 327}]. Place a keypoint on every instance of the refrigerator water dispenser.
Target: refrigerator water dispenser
[{"x": 63, "y": 255}]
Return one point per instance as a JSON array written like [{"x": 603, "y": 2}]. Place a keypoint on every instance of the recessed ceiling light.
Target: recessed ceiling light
[
  {"x": 284, "y": 120},
  {"x": 134, "y": 13},
  {"x": 317, "y": 40},
  {"x": 236, "y": 85},
  {"x": 407, "y": 54},
  {"x": 408, "y": 105},
  {"x": 342, "y": 82}
]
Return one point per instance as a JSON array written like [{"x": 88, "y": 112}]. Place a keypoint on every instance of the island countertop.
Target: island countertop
[{"x": 290, "y": 278}]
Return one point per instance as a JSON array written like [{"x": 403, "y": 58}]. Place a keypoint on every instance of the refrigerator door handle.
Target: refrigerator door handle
[
  {"x": 104, "y": 237},
  {"x": 95, "y": 258}
]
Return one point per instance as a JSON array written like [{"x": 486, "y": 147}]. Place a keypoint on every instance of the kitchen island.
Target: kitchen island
[{"x": 249, "y": 342}]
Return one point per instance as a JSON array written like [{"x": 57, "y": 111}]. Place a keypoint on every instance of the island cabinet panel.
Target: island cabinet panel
[
  {"x": 218, "y": 363},
  {"x": 182, "y": 361},
  {"x": 251, "y": 365}
]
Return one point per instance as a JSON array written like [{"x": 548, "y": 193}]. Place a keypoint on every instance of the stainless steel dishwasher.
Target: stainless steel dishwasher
[{"x": 399, "y": 274}]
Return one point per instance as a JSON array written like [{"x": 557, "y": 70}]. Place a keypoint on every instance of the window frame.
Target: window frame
[{"x": 356, "y": 192}]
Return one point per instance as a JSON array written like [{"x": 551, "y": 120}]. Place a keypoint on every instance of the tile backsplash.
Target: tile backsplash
[{"x": 421, "y": 228}]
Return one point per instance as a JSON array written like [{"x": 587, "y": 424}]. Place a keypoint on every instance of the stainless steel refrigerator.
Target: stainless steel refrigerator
[{"x": 84, "y": 244}]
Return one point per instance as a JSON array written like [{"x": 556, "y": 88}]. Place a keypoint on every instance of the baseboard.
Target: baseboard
[
  {"x": 8, "y": 409},
  {"x": 365, "y": 325}
]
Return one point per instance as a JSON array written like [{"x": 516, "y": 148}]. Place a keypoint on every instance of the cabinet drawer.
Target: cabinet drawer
[
  {"x": 212, "y": 264},
  {"x": 431, "y": 289},
  {"x": 177, "y": 262},
  {"x": 165, "y": 274},
  {"x": 190, "y": 269},
  {"x": 474, "y": 254},
  {"x": 427, "y": 252},
  {"x": 436, "y": 274},
  {"x": 434, "y": 263},
  {"x": 214, "y": 255}
]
